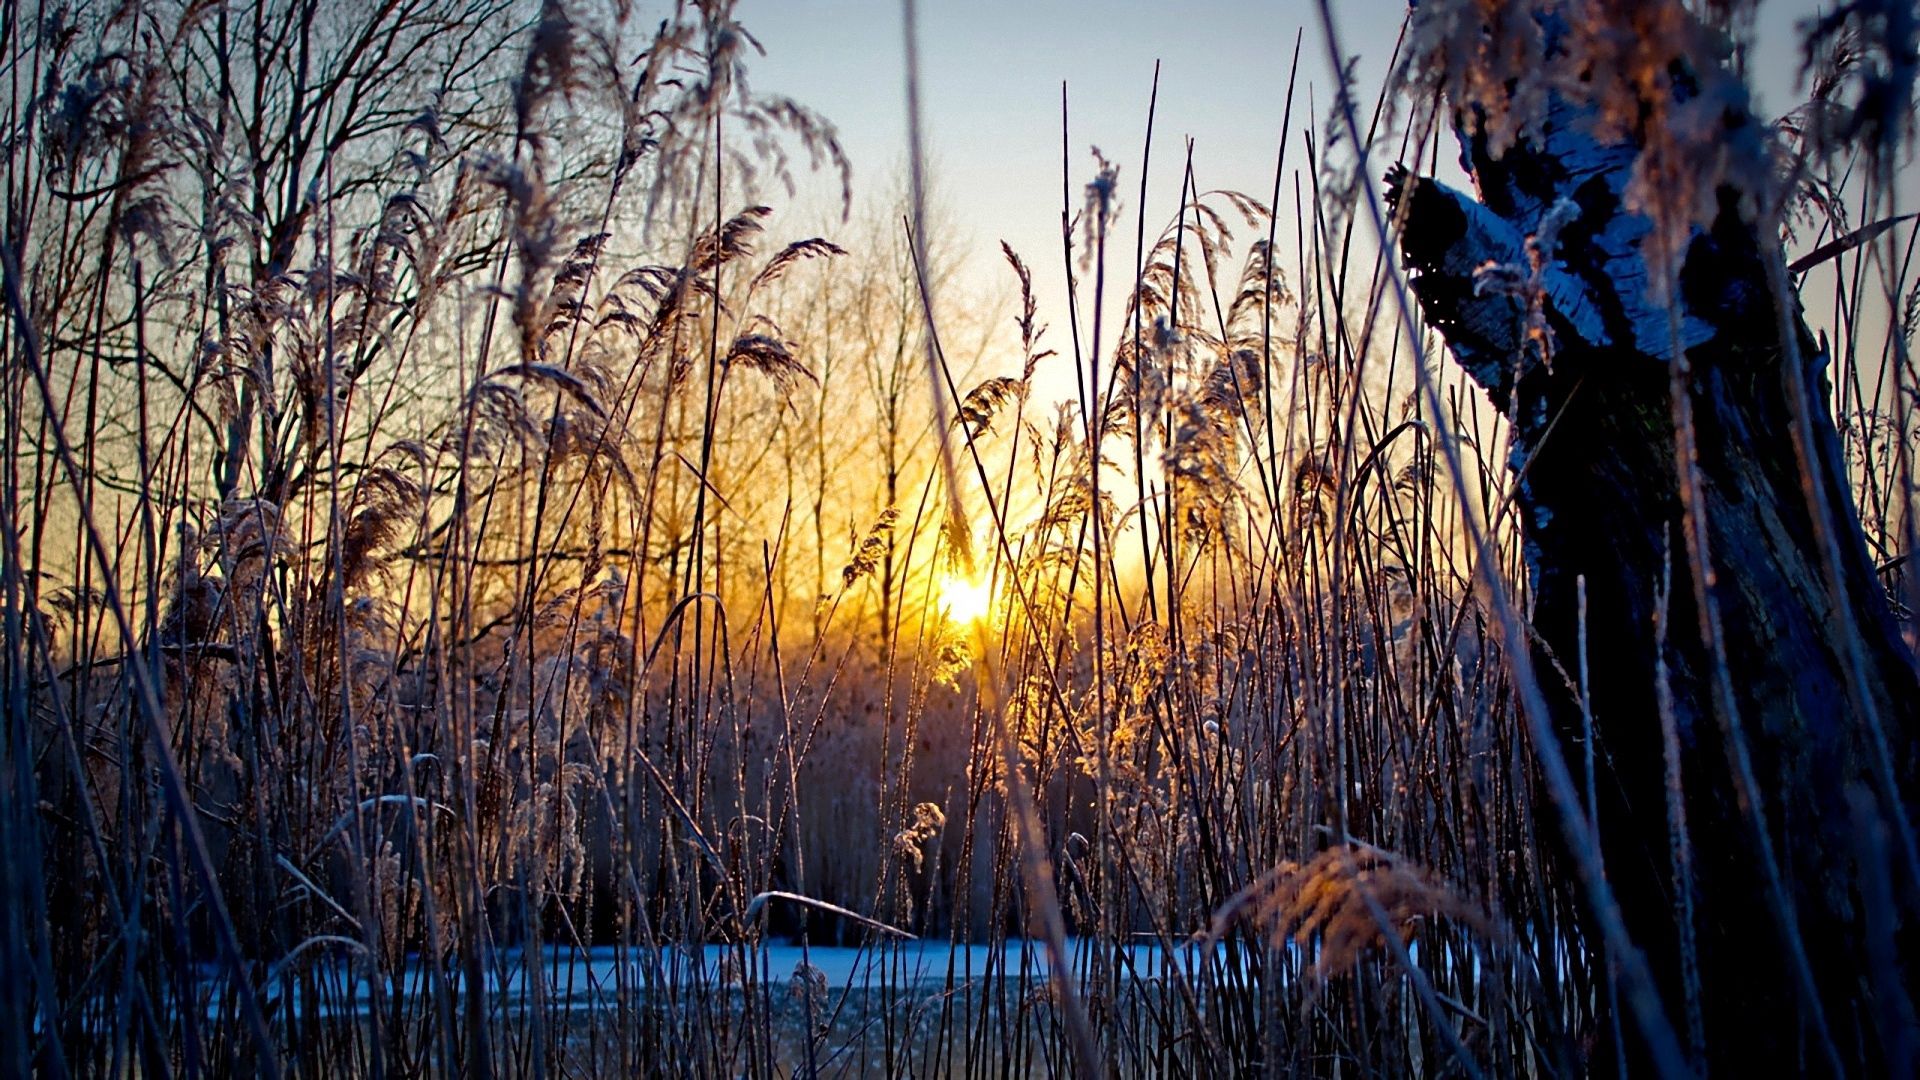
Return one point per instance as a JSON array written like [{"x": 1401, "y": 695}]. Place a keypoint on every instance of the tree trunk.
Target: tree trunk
[{"x": 1777, "y": 917}]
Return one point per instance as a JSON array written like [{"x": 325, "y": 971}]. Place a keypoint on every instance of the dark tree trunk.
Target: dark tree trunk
[{"x": 1797, "y": 734}]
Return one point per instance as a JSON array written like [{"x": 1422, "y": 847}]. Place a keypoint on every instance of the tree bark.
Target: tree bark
[{"x": 1733, "y": 603}]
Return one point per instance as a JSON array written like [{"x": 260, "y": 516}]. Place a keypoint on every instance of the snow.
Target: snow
[{"x": 585, "y": 978}]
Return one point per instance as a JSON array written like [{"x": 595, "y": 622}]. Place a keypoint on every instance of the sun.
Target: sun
[{"x": 964, "y": 599}]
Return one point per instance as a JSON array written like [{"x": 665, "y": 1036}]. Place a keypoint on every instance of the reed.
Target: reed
[{"x": 482, "y": 598}]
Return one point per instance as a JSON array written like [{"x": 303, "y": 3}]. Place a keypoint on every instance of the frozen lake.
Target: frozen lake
[{"x": 600, "y": 976}]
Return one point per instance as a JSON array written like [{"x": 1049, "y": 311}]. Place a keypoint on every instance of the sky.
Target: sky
[
  {"x": 991, "y": 89},
  {"x": 992, "y": 72},
  {"x": 991, "y": 81}
]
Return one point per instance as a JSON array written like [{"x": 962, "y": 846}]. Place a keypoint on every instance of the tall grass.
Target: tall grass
[{"x": 444, "y": 535}]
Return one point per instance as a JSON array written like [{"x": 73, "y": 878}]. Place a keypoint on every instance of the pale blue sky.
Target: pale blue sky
[
  {"x": 991, "y": 96},
  {"x": 992, "y": 72}
]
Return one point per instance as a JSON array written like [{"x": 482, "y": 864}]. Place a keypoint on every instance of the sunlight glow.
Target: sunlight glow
[{"x": 965, "y": 600}]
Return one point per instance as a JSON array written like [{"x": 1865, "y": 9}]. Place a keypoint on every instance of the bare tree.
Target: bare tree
[{"x": 1712, "y": 636}]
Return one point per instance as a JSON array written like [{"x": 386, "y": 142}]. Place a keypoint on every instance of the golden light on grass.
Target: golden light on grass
[{"x": 965, "y": 599}]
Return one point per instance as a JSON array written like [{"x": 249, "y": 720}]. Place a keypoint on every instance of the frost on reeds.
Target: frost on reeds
[{"x": 535, "y": 563}]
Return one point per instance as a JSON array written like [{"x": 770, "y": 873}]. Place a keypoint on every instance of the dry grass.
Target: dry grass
[{"x": 468, "y": 539}]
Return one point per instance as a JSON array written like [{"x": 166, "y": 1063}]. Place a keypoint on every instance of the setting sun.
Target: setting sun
[
  {"x": 517, "y": 494},
  {"x": 965, "y": 599}
]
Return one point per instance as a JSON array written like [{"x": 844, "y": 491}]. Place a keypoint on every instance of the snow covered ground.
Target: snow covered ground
[{"x": 599, "y": 976}]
